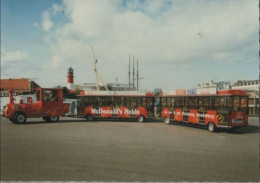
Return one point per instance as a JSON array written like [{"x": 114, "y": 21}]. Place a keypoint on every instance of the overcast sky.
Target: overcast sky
[{"x": 178, "y": 43}]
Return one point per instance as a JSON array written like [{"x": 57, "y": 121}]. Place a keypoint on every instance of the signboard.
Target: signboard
[
  {"x": 174, "y": 92},
  {"x": 180, "y": 92},
  {"x": 191, "y": 92},
  {"x": 169, "y": 92},
  {"x": 205, "y": 91}
]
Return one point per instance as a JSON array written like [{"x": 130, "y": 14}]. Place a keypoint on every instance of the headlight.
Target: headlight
[{"x": 5, "y": 110}]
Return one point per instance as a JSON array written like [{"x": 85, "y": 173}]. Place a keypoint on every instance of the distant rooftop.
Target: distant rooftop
[{"x": 18, "y": 85}]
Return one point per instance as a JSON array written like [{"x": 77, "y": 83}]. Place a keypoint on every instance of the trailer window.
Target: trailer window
[
  {"x": 205, "y": 102},
  {"x": 223, "y": 102},
  {"x": 163, "y": 102},
  {"x": 117, "y": 102},
  {"x": 178, "y": 102},
  {"x": 236, "y": 103},
  {"x": 243, "y": 103},
  {"x": 102, "y": 101},
  {"x": 171, "y": 102},
  {"x": 186, "y": 102},
  {"x": 191, "y": 102},
  {"x": 122, "y": 101},
  {"x": 215, "y": 102},
  {"x": 133, "y": 105},
  {"x": 128, "y": 102},
  {"x": 139, "y": 102},
  {"x": 144, "y": 102},
  {"x": 108, "y": 101},
  {"x": 196, "y": 102},
  {"x": 84, "y": 101},
  {"x": 149, "y": 102}
]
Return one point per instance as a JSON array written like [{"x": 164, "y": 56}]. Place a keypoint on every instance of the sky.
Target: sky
[{"x": 178, "y": 44}]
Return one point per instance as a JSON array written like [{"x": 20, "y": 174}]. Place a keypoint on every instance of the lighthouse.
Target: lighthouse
[{"x": 70, "y": 82}]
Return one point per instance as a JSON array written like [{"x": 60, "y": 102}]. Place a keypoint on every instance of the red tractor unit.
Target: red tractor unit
[{"x": 49, "y": 105}]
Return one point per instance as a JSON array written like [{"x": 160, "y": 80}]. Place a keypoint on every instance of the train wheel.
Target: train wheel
[
  {"x": 54, "y": 118},
  {"x": 90, "y": 117},
  {"x": 166, "y": 120},
  {"x": 211, "y": 127},
  {"x": 45, "y": 118},
  {"x": 140, "y": 119},
  {"x": 20, "y": 118}
]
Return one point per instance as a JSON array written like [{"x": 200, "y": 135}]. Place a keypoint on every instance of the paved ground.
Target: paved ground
[{"x": 73, "y": 149}]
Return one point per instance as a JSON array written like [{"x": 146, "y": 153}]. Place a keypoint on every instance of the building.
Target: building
[
  {"x": 251, "y": 87},
  {"x": 111, "y": 86},
  {"x": 253, "y": 102},
  {"x": 246, "y": 85},
  {"x": 22, "y": 85},
  {"x": 252, "y": 90},
  {"x": 221, "y": 85}
]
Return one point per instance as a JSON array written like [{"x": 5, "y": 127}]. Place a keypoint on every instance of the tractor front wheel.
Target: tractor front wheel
[{"x": 20, "y": 118}]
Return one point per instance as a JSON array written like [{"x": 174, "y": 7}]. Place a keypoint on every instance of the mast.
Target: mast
[
  {"x": 137, "y": 77},
  {"x": 133, "y": 73},
  {"x": 95, "y": 68},
  {"x": 129, "y": 73}
]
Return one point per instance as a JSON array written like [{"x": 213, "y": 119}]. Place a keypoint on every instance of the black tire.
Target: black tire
[
  {"x": 46, "y": 118},
  {"x": 166, "y": 120},
  {"x": 54, "y": 118},
  {"x": 140, "y": 119},
  {"x": 89, "y": 117},
  {"x": 232, "y": 129},
  {"x": 20, "y": 118},
  {"x": 211, "y": 127}
]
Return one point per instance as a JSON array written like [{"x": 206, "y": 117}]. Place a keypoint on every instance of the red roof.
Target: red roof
[{"x": 18, "y": 85}]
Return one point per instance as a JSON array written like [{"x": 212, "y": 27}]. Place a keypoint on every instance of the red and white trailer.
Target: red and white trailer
[
  {"x": 224, "y": 109},
  {"x": 116, "y": 105}
]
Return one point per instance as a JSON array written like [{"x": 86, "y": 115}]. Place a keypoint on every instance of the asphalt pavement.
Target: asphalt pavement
[{"x": 76, "y": 150}]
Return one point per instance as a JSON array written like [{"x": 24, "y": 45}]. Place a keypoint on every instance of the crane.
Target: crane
[{"x": 98, "y": 77}]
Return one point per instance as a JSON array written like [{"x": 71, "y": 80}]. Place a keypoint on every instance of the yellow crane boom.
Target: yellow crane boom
[{"x": 98, "y": 77}]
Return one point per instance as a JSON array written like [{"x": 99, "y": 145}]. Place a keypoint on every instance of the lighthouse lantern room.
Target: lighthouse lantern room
[{"x": 70, "y": 82}]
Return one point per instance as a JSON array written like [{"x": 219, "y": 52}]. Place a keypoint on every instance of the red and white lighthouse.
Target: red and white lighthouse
[{"x": 70, "y": 82}]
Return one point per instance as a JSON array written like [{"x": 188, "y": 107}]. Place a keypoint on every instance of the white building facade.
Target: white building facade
[
  {"x": 246, "y": 85},
  {"x": 221, "y": 85}
]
